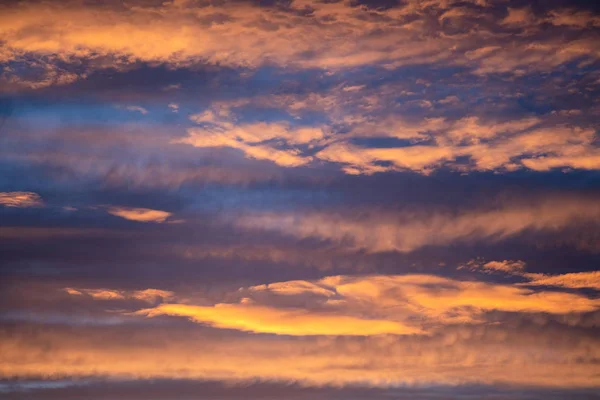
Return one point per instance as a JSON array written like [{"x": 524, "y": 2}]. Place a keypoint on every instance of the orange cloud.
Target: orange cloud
[
  {"x": 515, "y": 354},
  {"x": 20, "y": 199},
  {"x": 139, "y": 214},
  {"x": 371, "y": 305},
  {"x": 511, "y": 145},
  {"x": 521, "y": 143},
  {"x": 384, "y": 330},
  {"x": 449, "y": 301},
  {"x": 335, "y": 338},
  {"x": 250, "y": 138},
  {"x": 294, "y": 322},
  {"x": 575, "y": 280},
  {"x": 181, "y": 33},
  {"x": 365, "y": 160},
  {"x": 579, "y": 158}
]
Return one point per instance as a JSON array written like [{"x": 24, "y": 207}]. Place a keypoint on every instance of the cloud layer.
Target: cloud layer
[
  {"x": 299, "y": 199},
  {"x": 405, "y": 231}
]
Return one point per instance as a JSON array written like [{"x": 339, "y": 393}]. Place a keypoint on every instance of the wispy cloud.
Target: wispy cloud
[{"x": 405, "y": 231}]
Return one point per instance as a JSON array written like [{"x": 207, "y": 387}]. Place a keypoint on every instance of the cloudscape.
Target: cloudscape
[{"x": 299, "y": 199}]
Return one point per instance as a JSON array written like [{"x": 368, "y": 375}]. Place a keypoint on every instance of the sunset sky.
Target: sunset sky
[{"x": 296, "y": 199}]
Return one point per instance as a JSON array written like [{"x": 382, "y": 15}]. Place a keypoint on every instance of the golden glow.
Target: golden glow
[
  {"x": 295, "y": 322},
  {"x": 372, "y": 305}
]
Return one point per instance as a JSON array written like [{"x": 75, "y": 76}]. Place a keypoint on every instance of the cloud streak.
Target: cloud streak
[
  {"x": 573, "y": 280},
  {"x": 406, "y": 231}
]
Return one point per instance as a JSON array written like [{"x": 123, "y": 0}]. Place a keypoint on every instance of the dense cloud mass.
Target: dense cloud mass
[{"x": 347, "y": 199}]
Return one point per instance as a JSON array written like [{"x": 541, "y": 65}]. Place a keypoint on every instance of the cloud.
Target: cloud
[
  {"x": 147, "y": 295},
  {"x": 253, "y": 139},
  {"x": 371, "y": 305},
  {"x": 294, "y": 322},
  {"x": 574, "y": 18},
  {"x": 506, "y": 266},
  {"x": 291, "y": 288},
  {"x": 408, "y": 230},
  {"x": 40, "y": 74},
  {"x": 464, "y": 111},
  {"x": 500, "y": 354},
  {"x": 139, "y": 109},
  {"x": 299, "y": 34},
  {"x": 518, "y": 16},
  {"x": 139, "y": 214},
  {"x": 575, "y": 280},
  {"x": 505, "y": 146},
  {"x": 473, "y": 332},
  {"x": 470, "y": 143},
  {"x": 20, "y": 199},
  {"x": 581, "y": 158},
  {"x": 367, "y": 160},
  {"x": 471, "y": 138},
  {"x": 135, "y": 152},
  {"x": 99, "y": 294}
]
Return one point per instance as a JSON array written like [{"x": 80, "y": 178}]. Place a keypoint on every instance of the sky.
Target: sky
[{"x": 296, "y": 199}]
